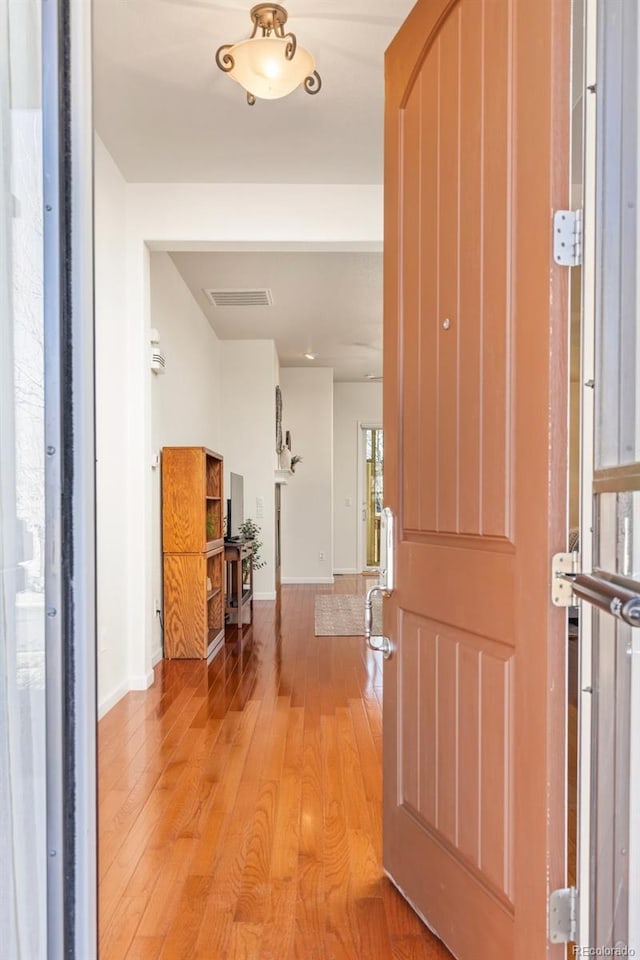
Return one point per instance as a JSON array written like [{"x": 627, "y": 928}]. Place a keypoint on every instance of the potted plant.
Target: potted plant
[{"x": 250, "y": 533}]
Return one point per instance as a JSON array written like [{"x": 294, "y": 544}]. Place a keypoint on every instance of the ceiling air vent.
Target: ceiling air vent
[{"x": 239, "y": 298}]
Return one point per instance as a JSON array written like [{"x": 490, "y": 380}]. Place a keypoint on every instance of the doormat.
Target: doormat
[{"x": 342, "y": 615}]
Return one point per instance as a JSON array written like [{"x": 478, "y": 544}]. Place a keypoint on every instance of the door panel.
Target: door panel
[
  {"x": 461, "y": 370},
  {"x": 453, "y": 779},
  {"x": 475, "y": 395}
]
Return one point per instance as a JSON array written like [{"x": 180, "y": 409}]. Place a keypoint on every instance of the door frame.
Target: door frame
[
  {"x": 587, "y": 425},
  {"x": 69, "y": 437},
  {"x": 361, "y": 539},
  {"x": 587, "y": 728}
]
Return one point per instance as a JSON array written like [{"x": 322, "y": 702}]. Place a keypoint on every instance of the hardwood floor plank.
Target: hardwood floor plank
[
  {"x": 118, "y": 935},
  {"x": 145, "y": 948},
  {"x": 355, "y": 797},
  {"x": 286, "y": 836},
  {"x": 182, "y": 936},
  {"x": 308, "y": 938},
  {"x": 375, "y": 943},
  {"x": 253, "y": 899},
  {"x": 162, "y": 906},
  {"x": 279, "y": 927}
]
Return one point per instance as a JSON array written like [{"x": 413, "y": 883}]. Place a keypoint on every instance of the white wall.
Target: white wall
[
  {"x": 186, "y": 400},
  {"x": 352, "y": 403},
  {"x": 249, "y": 378},
  {"x": 112, "y": 490},
  {"x": 307, "y": 499}
]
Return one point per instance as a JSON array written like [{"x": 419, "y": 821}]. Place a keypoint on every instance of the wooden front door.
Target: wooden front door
[{"x": 475, "y": 398}]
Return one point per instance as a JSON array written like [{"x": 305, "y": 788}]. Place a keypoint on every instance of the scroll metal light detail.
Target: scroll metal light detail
[{"x": 270, "y": 63}]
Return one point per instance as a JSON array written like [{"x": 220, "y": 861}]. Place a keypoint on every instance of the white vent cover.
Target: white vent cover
[
  {"x": 239, "y": 298},
  {"x": 158, "y": 360}
]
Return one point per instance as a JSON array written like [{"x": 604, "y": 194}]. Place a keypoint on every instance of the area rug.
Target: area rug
[{"x": 342, "y": 615}]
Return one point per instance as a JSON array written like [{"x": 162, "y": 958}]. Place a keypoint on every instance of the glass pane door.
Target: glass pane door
[
  {"x": 613, "y": 516},
  {"x": 374, "y": 468},
  {"x": 23, "y": 837}
]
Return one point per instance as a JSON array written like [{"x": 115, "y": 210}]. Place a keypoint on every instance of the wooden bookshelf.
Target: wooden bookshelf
[{"x": 193, "y": 552}]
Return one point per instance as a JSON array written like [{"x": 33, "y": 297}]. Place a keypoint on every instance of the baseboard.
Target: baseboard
[
  {"x": 269, "y": 595},
  {"x": 307, "y": 580},
  {"x": 348, "y": 571},
  {"x": 156, "y": 657},
  {"x": 133, "y": 683},
  {"x": 105, "y": 705},
  {"x": 141, "y": 682}
]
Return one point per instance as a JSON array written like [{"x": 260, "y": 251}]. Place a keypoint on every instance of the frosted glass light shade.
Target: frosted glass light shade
[{"x": 261, "y": 67}]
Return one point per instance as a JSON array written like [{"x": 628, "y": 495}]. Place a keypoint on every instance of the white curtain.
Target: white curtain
[{"x": 22, "y": 673}]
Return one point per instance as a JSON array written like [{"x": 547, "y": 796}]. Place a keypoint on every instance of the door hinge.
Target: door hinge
[
  {"x": 562, "y": 590},
  {"x": 567, "y": 237},
  {"x": 563, "y": 915}
]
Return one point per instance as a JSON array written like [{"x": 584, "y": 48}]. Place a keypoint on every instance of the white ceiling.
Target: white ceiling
[
  {"x": 327, "y": 303},
  {"x": 167, "y": 113}
]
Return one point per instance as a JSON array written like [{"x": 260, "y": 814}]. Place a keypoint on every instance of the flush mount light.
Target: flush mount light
[
  {"x": 270, "y": 64},
  {"x": 311, "y": 356}
]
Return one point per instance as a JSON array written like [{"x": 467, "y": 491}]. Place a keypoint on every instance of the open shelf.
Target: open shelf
[
  {"x": 213, "y": 475},
  {"x": 239, "y": 587}
]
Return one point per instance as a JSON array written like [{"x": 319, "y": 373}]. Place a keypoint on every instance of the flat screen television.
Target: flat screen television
[{"x": 235, "y": 506}]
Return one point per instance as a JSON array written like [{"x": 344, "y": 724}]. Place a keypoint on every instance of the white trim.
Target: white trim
[
  {"x": 634, "y": 791},
  {"x": 138, "y": 682},
  {"x": 105, "y": 705},
  {"x": 349, "y": 571},
  {"x": 361, "y": 539},
  {"x": 634, "y": 718},
  {"x": 156, "y": 657},
  {"x": 267, "y": 595},
  {"x": 587, "y": 414},
  {"x": 307, "y": 580}
]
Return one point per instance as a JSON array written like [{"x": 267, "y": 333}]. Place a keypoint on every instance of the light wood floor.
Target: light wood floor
[{"x": 240, "y": 805}]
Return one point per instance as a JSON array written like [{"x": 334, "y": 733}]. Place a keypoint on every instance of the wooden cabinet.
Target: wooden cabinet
[{"x": 193, "y": 552}]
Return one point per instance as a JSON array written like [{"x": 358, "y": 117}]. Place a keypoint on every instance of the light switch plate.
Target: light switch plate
[{"x": 259, "y": 508}]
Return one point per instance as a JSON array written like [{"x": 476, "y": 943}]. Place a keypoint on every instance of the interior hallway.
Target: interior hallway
[{"x": 240, "y": 804}]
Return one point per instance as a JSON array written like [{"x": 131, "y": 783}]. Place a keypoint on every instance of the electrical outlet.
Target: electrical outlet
[
  {"x": 157, "y": 606},
  {"x": 321, "y": 555}
]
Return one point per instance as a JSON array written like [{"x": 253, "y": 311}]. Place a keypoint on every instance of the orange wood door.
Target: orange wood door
[{"x": 475, "y": 411}]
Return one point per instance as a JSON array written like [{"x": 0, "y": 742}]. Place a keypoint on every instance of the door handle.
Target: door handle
[
  {"x": 387, "y": 569},
  {"x": 379, "y": 643}
]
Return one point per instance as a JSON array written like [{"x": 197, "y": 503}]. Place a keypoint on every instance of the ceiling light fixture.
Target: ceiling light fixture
[
  {"x": 270, "y": 64},
  {"x": 311, "y": 356}
]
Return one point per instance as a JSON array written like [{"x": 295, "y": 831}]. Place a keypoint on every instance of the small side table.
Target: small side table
[{"x": 239, "y": 592}]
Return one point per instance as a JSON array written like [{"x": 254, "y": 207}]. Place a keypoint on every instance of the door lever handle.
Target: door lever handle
[
  {"x": 388, "y": 572},
  {"x": 381, "y": 644}
]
